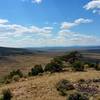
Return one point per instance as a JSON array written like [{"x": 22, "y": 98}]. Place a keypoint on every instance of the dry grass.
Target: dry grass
[
  {"x": 25, "y": 63},
  {"x": 43, "y": 87},
  {"x": 39, "y": 87}
]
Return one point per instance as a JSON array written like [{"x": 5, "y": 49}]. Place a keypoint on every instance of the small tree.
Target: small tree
[
  {"x": 39, "y": 68},
  {"x": 77, "y": 96},
  {"x": 57, "y": 60},
  {"x": 53, "y": 67},
  {"x": 97, "y": 67},
  {"x": 7, "y": 95},
  {"x": 15, "y": 72},
  {"x": 72, "y": 56},
  {"x": 36, "y": 70},
  {"x": 78, "y": 66}
]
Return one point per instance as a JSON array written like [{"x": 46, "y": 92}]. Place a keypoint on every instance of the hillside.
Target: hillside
[
  {"x": 43, "y": 87},
  {"x": 5, "y": 51},
  {"x": 30, "y": 81}
]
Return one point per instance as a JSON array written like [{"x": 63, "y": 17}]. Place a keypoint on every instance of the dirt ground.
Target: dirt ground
[{"x": 43, "y": 87}]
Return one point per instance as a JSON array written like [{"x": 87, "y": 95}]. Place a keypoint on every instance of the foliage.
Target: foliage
[
  {"x": 57, "y": 60},
  {"x": 97, "y": 67},
  {"x": 7, "y": 95},
  {"x": 16, "y": 77},
  {"x": 72, "y": 57},
  {"x": 78, "y": 66},
  {"x": 87, "y": 87},
  {"x": 1, "y": 97},
  {"x": 77, "y": 96},
  {"x": 13, "y": 75},
  {"x": 91, "y": 65},
  {"x": 36, "y": 70},
  {"x": 63, "y": 86},
  {"x": 53, "y": 67},
  {"x": 15, "y": 72}
]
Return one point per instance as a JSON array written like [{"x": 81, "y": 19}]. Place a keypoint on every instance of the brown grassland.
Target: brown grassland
[{"x": 41, "y": 87}]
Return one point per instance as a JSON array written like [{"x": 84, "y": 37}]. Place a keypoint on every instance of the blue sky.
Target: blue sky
[{"x": 40, "y": 23}]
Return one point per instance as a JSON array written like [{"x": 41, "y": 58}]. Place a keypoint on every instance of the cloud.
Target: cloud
[
  {"x": 3, "y": 21},
  {"x": 15, "y": 35},
  {"x": 37, "y": 1},
  {"x": 82, "y": 21},
  {"x": 19, "y": 30},
  {"x": 68, "y": 25},
  {"x": 33, "y": 1},
  {"x": 93, "y": 5}
]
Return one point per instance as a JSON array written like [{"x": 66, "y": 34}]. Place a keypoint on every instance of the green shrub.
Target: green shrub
[
  {"x": 53, "y": 67},
  {"x": 13, "y": 75},
  {"x": 36, "y": 70},
  {"x": 77, "y": 96},
  {"x": 16, "y": 72},
  {"x": 81, "y": 81},
  {"x": 57, "y": 60},
  {"x": 72, "y": 57},
  {"x": 91, "y": 65},
  {"x": 97, "y": 67},
  {"x": 78, "y": 66},
  {"x": 1, "y": 97},
  {"x": 16, "y": 78},
  {"x": 7, "y": 81},
  {"x": 7, "y": 95},
  {"x": 63, "y": 86},
  {"x": 39, "y": 68}
]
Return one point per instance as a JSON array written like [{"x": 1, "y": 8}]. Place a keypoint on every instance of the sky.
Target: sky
[{"x": 47, "y": 23}]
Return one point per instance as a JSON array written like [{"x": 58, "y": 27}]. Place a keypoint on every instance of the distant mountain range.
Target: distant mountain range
[
  {"x": 95, "y": 49},
  {"x": 6, "y": 51}
]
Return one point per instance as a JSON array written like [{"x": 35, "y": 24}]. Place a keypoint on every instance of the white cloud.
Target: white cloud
[
  {"x": 19, "y": 30},
  {"x": 22, "y": 36},
  {"x": 82, "y": 21},
  {"x": 36, "y": 1},
  {"x": 93, "y": 5},
  {"x": 68, "y": 25},
  {"x": 3, "y": 21},
  {"x": 33, "y": 1}
]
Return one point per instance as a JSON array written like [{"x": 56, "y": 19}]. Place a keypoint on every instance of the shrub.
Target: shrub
[
  {"x": 57, "y": 60},
  {"x": 87, "y": 88},
  {"x": 72, "y": 57},
  {"x": 16, "y": 77},
  {"x": 15, "y": 72},
  {"x": 1, "y": 97},
  {"x": 91, "y": 65},
  {"x": 77, "y": 96},
  {"x": 13, "y": 75},
  {"x": 97, "y": 67},
  {"x": 7, "y": 95},
  {"x": 81, "y": 81},
  {"x": 63, "y": 86},
  {"x": 39, "y": 68},
  {"x": 53, "y": 67},
  {"x": 36, "y": 70},
  {"x": 7, "y": 81},
  {"x": 78, "y": 66}
]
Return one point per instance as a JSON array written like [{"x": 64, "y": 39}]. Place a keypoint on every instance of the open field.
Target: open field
[
  {"x": 26, "y": 62},
  {"x": 42, "y": 87}
]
